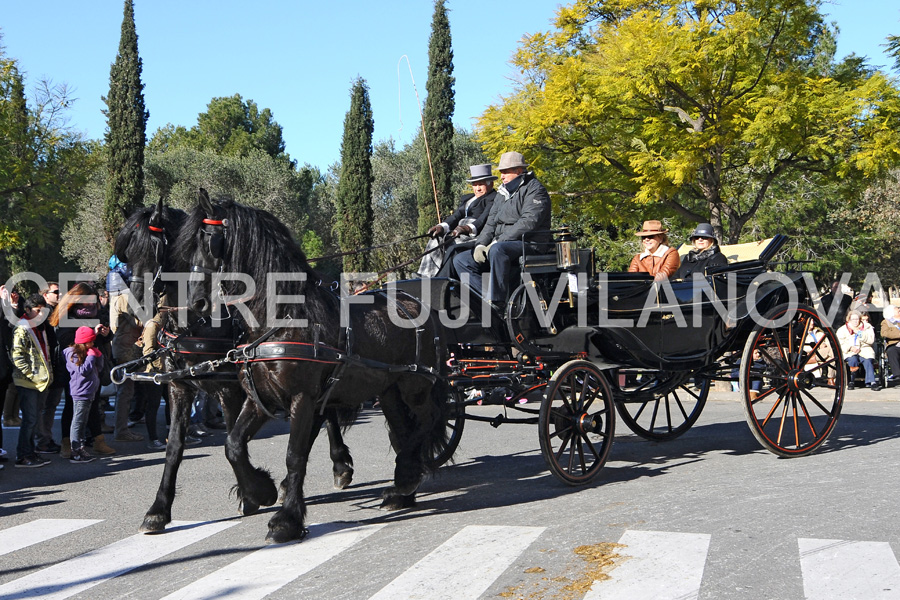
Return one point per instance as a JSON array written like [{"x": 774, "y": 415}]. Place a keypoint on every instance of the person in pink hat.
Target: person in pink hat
[{"x": 83, "y": 361}]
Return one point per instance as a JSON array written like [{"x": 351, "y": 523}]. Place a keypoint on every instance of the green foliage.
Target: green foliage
[
  {"x": 256, "y": 180},
  {"x": 229, "y": 126},
  {"x": 126, "y": 133},
  {"x": 354, "y": 193},
  {"x": 893, "y": 48},
  {"x": 43, "y": 165},
  {"x": 438, "y": 121},
  {"x": 637, "y": 109}
]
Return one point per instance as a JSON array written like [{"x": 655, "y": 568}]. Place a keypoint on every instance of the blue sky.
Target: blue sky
[{"x": 299, "y": 58}]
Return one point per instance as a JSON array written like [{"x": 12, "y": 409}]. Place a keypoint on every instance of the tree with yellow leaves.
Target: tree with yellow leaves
[{"x": 698, "y": 108}]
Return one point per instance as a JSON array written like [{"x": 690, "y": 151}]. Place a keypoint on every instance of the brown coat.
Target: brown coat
[
  {"x": 667, "y": 263},
  {"x": 890, "y": 333}
]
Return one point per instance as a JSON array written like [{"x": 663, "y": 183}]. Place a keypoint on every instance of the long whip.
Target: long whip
[{"x": 437, "y": 207}]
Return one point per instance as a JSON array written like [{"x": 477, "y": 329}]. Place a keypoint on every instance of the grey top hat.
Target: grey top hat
[
  {"x": 511, "y": 160},
  {"x": 704, "y": 230},
  {"x": 480, "y": 173}
]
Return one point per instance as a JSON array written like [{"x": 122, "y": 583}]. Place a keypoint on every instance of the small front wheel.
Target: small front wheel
[
  {"x": 577, "y": 422},
  {"x": 455, "y": 422}
]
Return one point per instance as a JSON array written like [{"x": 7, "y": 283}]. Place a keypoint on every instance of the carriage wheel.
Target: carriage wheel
[
  {"x": 661, "y": 406},
  {"x": 456, "y": 421},
  {"x": 788, "y": 401},
  {"x": 576, "y": 423}
]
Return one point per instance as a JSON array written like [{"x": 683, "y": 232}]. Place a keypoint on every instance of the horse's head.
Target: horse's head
[
  {"x": 142, "y": 245},
  {"x": 203, "y": 245}
]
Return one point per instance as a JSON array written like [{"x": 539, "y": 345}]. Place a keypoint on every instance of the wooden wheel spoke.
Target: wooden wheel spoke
[
  {"x": 562, "y": 447},
  {"x": 679, "y": 404},
  {"x": 767, "y": 393},
  {"x": 655, "y": 414},
  {"x": 784, "y": 410},
  {"x": 806, "y": 415},
  {"x": 774, "y": 406},
  {"x": 815, "y": 401}
]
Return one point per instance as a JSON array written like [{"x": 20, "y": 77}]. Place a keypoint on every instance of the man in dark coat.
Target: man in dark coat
[
  {"x": 522, "y": 207},
  {"x": 457, "y": 232}
]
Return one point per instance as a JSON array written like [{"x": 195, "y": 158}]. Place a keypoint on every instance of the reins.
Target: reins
[{"x": 367, "y": 249}]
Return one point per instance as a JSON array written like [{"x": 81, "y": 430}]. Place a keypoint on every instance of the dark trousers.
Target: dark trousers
[
  {"x": 893, "y": 356},
  {"x": 502, "y": 263}
]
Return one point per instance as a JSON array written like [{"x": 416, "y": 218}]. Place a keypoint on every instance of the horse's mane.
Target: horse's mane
[{"x": 257, "y": 244}]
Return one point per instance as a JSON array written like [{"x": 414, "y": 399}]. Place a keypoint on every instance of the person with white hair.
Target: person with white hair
[
  {"x": 890, "y": 332},
  {"x": 856, "y": 344}
]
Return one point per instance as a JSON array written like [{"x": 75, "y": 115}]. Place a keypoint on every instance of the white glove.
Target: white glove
[{"x": 481, "y": 252}]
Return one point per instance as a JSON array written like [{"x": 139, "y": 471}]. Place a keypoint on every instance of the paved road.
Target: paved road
[{"x": 710, "y": 515}]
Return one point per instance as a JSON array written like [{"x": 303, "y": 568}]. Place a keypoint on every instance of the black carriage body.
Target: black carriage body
[{"x": 619, "y": 319}]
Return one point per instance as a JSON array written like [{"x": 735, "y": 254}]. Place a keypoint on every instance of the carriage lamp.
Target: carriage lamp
[
  {"x": 567, "y": 259},
  {"x": 566, "y": 250}
]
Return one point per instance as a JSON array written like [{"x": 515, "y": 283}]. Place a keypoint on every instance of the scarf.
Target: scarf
[{"x": 694, "y": 256}]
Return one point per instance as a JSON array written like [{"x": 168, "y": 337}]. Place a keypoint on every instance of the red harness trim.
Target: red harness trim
[
  {"x": 155, "y": 229},
  {"x": 212, "y": 222}
]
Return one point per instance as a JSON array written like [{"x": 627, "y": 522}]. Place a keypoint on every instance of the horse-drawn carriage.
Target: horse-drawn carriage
[{"x": 586, "y": 345}]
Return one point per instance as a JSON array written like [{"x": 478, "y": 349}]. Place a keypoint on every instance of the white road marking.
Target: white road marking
[
  {"x": 83, "y": 572},
  {"x": 462, "y": 567},
  {"x": 41, "y": 530},
  {"x": 660, "y": 566},
  {"x": 838, "y": 569},
  {"x": 259, "y": 574}
]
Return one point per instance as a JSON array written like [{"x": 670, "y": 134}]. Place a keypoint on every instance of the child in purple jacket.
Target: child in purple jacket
[{"x": 83, "y": 362}]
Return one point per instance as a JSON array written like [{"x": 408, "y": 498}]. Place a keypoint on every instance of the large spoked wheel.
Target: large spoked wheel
[
  {"x": 456, "y": 421},
  {"x": 576, "y": 423},
  {"x": 792, "y": 382},
  {"x": 660, "y": 406}
]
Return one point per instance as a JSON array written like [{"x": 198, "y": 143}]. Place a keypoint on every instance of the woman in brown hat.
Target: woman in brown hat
[{"x": 657, "y": 258}]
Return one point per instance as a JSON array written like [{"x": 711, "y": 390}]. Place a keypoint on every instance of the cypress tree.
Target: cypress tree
[
  {"x": 438, "y": 126},
  {"x": 126, "y": 135},
  {"x": 354, "y": 194}
]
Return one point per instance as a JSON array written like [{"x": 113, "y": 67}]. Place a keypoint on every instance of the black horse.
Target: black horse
[
  {"x": 144, "y": 244},
  {"x": 319, "y": 361}
]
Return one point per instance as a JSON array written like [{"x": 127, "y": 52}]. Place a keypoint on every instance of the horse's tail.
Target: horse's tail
[{"x": 438, "y": 442}]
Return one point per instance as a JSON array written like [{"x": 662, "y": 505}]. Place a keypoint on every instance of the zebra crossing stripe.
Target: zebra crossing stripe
[
  {"x": 83, "y": 572},
  {"x": 259, "y": 574},
  {"x": 462, "y": 567},
  {"x": 41, "y": 530},
  {"x": 660, "y": 565},
  {"x": 838, "y": 569}
]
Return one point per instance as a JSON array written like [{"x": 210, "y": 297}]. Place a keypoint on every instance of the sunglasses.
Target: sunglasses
[{"x": 54, "y": 292}]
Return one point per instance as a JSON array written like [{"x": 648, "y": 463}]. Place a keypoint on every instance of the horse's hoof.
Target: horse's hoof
[
  {"x": 343, "y": 480},
  {"x": 247, "y": 508},
  {"x": 154, "y": 524},
  {"x": 282, "y": 535},
  {"x": 397, "y": 502}
]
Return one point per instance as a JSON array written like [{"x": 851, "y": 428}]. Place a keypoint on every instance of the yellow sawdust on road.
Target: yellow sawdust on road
[{"x": 599, "y": 558}]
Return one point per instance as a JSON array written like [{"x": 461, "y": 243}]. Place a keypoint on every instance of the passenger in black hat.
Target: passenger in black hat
[
  {"x": 705, "y": 254},
  {"x": 459, "y": 229}
]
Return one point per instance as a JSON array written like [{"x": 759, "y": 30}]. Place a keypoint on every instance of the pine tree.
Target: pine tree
[
  {"x": 126, "y": 135},
  {"x": 354, "y": 195},
  {"x": 438, "y": 117}
]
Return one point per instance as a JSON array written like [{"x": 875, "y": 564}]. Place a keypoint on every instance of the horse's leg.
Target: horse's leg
[
  {"x": 318, "y": 420},
  {"x": 160, "y": 513},
  {"x": 407, "y": 436},
  {"x": 288, "y": 523},
  {"x": 254, "y": 486},
  {"x": 342, "y": 462}
]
